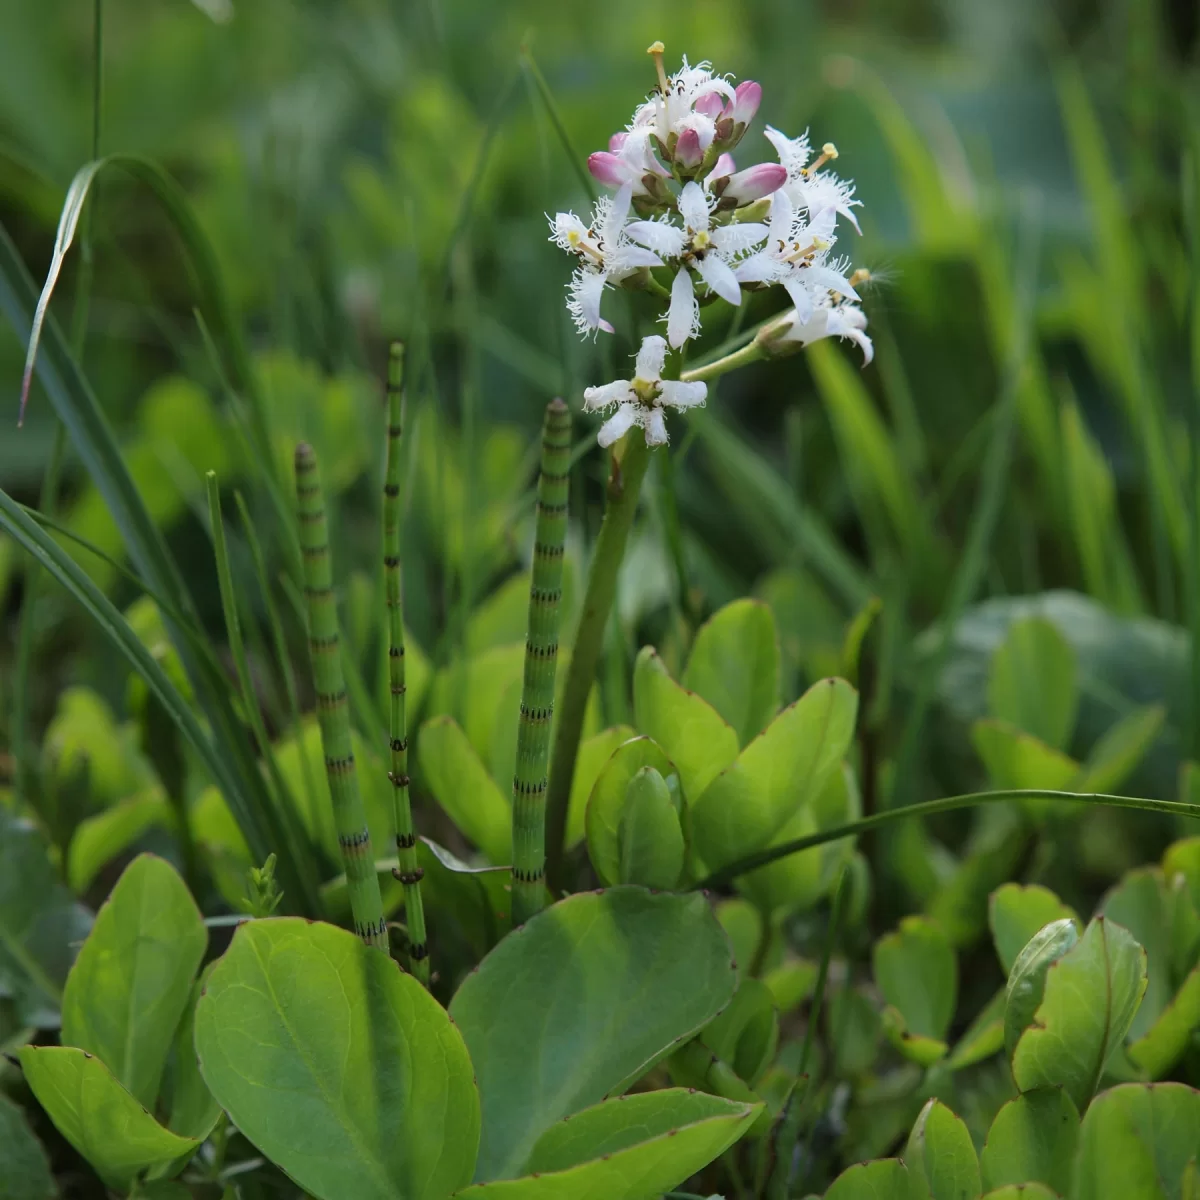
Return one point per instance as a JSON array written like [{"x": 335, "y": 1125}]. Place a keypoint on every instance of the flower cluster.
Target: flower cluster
[{"x": 685, "y": 224}]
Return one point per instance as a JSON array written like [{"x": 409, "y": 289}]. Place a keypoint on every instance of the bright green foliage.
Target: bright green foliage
[
  {"x": 325, "y": 654},
  {"x": 24, "y": 1169},
  {"x": 1016, "y": 912},
  {"x": 1071, "y": 1041},
  {"x": 1027, "y": 978},
  {"x": 940, "y": 1157},
  {"x": 746, "y": 1034},
  {"x": 1015, "y": 759},
  {"x": 554, "y": 1018},
  {"x": 1139, "y": 903},
  {"x": 91, "y": 1109},
  {"x": 915, "y": 969},
  {"x": 635, "y": 1147},
  {"x": 408, "y": 870},
  {"x": 650, "y": 836},
  {"x": 696, "y": 738},
  {"x": 884, "y": 1179},
  {"x": 131, "y": 982},
  {"x": 594, "y": 752},
  {"x": 1032, "y": 1139},
  {"x": 983, "y": 1037},
  {"x": 1119, "y": 750},
  {"x": 337, "y": 1066},
  {"x": 1022, "y": 1191},
  {"x": 1136, "y": 1141},
  {"x": 606, "y": 805},
  {"x": 191, "y": 1109},
  {"x": 541, "y": 658},
  {"x": 734, "y": 665},
  {"x": 101, "y": 838},
  {"x": 1033, "y": 681}
]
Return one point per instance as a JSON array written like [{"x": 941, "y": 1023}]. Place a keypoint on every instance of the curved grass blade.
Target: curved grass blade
[
  {"x": 408, "y": 872},
  {"x": 325, "y": 651},
  {"x": 541, "y": 661}
]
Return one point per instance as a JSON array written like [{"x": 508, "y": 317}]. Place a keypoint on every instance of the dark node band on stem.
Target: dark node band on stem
[
  {"x": 537, "y": 715},
  {"x": 328, "y": 642},
  {"x": 354, "y": 841},
  {"x": 528, "y": 789},
  {"x": 408, "y": 878},
  {"x": 555, "y": 476},
  {"x": 340, "y": 766},
  {"x": 395, "y": 652},
  {"x": 552, "y": 510},
  {"x": 370, "y": 929},
  {"x": 328, "y": 700},
  {"x": 541, "y": 550},
  {"x": 398, "y": 780},
  {"x": 390, "y": 561},
  {"x": 398, "y": 689},
  {"x": 319, "y": 593},
  {"x": 399, "y": 745},
  {"x": 528, "y": 876},
  {"x": 391, "y": 490},
  {"x": 418, "y": 952},
  {"x": 405, "y": 841},
  {"x": 549, "y": 650}
]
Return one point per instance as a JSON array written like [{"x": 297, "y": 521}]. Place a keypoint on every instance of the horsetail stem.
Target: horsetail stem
[
  {"x": 541, "y": 659},
  {"x": 324, "y": 648},
  {"x": 409, "y": 872}
]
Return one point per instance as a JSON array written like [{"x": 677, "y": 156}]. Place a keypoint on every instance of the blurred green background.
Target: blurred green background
[{"x": 365, "y": 170}]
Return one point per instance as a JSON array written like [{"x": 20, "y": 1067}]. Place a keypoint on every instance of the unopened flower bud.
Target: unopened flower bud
[
  {"x": 723, "y": 166},
  {"x": 756, "y": 182},
  {"x": 617, "y": 141},
  {"x": 747, "y": 98},
  {"x": 711, "y": 105},
  {"x": 689, "y": 153},
  {"x": 607, "y": 168}
]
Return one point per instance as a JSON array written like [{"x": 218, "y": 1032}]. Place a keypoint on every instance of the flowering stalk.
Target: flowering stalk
[
  {"x": 541, "y": 658},
  {"x": 324, "y": 648},
  {"x": 409, "y": 871}
]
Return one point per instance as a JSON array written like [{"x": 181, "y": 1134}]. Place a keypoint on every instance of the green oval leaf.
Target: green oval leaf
[
  {"x": 1163, "y": 1044},
  {"x": 607, "y": 801},
  {"x": 461, "y": 784},
  {"x": 776, "y": 776},
  {"x": 631, "y": 1148},
  {"x": 98, "y": 1116},
  {"x": 1022, "y": 1191},
  {"x": 916, "y": 971},
  {"x": 1073, "y": 1036},
  {"x": 131, "y": 982},
  {"x": 883, "y": 1179},
  {"x": 1027, "y": 979},
  {"x": 24, "y": 1167},
  {"x": 99, "y": 839},
  {"x": 1032, "y": 683},
  {"x": 746, "y": 1034},
  {"x": 650, "y": 837},
  {"x": 690, "y": 731},
  {"x": 734, "y": 665},
  {"x": 1140, "y": 904},
  {"x": 1137, "y": 1140},
  {"x": 941, "y": 1157},
  {"x": 1032, "y": 1139},
  {"x": 340, "y": 1068},
  {"x": 581, "y": 1002},
  {"x": 594, "y": 752},
  {"x": 1016, "y": 912},
  {"x": 1015, "y": 759}
]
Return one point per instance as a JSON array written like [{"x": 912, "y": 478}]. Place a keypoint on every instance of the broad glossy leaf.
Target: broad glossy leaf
[
  {"x": 916, "y": 971},
  {"x": 1120, "y": 749},
  {"x": 1140, "y": 904},
  {"x": 1137, "y": 1140},
  {"x": 940, "y": 1156},
  {"x": 192, "y": 1109},
  {"x": 1071, "y": 1039},
  {"x": 1027, "y": 980},
  {"x": 696, "y": 738},
  {"x": 650, "y": 837},
  {"x": 460, "y": 782},
  {"x": 633, "y": 1147},
  {"x": 97, "y": 1115},
  {"x": 883, "y": 1179},
  {"x": 1032, "y": 1138},
  {"x": 1162, "y": 1045},
  {"x": 99, "y": 839},
  {"x": 24, "y": 1167},
  {"x": 1015, "y": 759},
  {"x": 131, "y": 982},
  {"x": 581, "y": 1002},
  {"x": 40, "y": 923},
  {"x": 607, "y": 801},
  {"x": 746, "y": 1034},
  {"x": 594, "y": 752},
  {"x": 1016, "y": 912},
  {"x": 1033, "y": 681},
  {"x": 776, "y": 775},
  {"x": 340, "y": 1068},
  {"x": 734, "y": 665},
  {"x": 983, "y": 1037}
]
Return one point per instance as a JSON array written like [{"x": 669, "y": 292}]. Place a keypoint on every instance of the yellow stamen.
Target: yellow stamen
[
  {"x": 828, "y": 151},
  {"x": 861, "y": 276},
  {"x": 583, "y": 246},
  {"x": 798, "y": 255},
  {"x": 702, "y": 240},
  {"x": 657, "y": 50}
]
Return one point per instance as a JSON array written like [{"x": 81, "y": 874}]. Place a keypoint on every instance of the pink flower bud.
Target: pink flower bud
[
  {"x": 607, "y": 168},
  {"x": 747, "y": 98},
  {"x": 752, "y": 184},
  {"x": 711, "y": 104},
  {"x": 724, "y": 166},
  {"x": 688, "y": 151},
  {"x": 617, "y": 141}
]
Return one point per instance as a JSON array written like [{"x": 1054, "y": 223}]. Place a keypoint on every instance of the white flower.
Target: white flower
[
  {"x": 831, "y": 319},
  {"x": 672, "y": 108},
  {"x": 640, "y": 400},
  {"x": 797, "y": 255},
  {"x": 807, "y": 186},
  {"x": 605, "y": 252},
  {"x": 712, "y": 251}
]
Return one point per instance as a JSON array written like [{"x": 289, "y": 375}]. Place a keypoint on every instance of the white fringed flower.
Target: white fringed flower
[
  {"x": 641, "y": 400},
  {"x": 606, "y": 255},
  {"x": 808, "y": 187},
  {"x": 682, "y": 102},
  {"x": 831, "y": 319}
]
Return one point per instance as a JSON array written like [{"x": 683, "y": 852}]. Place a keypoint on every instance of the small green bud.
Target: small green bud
[{"x": 650, "y": 835}]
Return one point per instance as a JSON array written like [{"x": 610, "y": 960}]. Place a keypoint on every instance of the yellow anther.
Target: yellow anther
[
  {"x": 819, "y": 243},
  {"x": 828, "y": 151},
  {"x": 861, "y": 276},
  {"x": 656, "y": 50},
  {"x": 702, "y": 240}
]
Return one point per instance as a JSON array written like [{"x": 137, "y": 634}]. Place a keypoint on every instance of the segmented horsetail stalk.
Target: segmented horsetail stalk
[
  {"x": 541, "y": 659},
  {"x": 408, "y": 872},
  {"x": 324, "y": 647}
]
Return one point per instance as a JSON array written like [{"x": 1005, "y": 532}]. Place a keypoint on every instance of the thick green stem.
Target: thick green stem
[
  {"x": 409, "y": 871},
  {"x": 751, "y": 353},
  {"x": 624, "y": 485},
  {"x": 541, "y": 661},
  {"x": 324, "y": 647}
]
